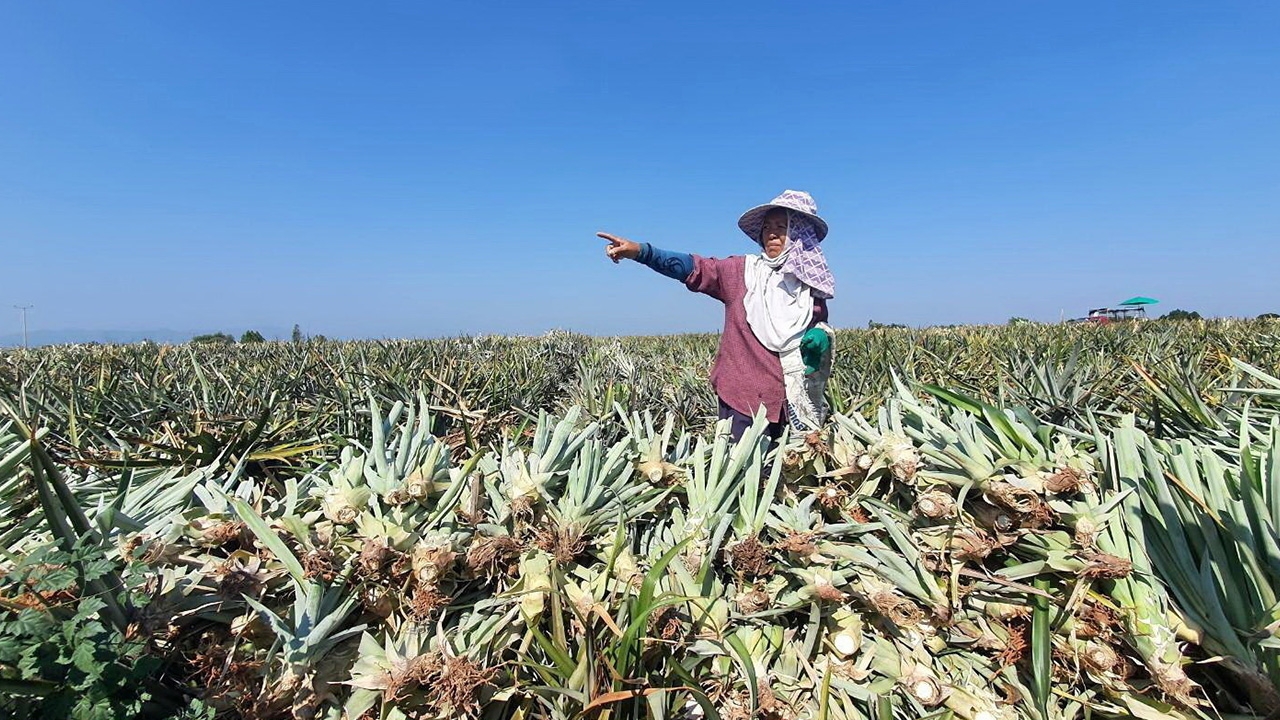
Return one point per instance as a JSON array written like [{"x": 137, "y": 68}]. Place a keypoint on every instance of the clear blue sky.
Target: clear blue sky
[{"x": 419, "y": 169}]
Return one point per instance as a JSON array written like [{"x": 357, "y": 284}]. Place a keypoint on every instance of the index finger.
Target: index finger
[{"x": 610, "y": 238}]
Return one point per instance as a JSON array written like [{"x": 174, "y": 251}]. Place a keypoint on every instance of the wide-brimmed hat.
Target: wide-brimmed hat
[{"x": 802, "y": 202}]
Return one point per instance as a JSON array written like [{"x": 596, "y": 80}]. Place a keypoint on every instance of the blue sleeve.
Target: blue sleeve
[{"x": 675, "y": 265}]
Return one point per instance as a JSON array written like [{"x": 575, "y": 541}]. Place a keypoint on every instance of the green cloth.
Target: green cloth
[{"x": 813, "y": 346}]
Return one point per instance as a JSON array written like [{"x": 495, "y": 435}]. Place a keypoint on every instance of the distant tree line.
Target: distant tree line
[
  {"x": 214, "y": 339},
  {"x": 250, "y": 336},
  {"x": 253, "y": 336},
  {"x": 1193, "y": 315}
]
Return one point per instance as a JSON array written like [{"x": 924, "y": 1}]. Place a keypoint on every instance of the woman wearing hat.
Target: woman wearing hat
[{"x": 775, "y": 350}]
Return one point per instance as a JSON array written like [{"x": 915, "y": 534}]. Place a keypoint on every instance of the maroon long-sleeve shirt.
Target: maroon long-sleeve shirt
[{"x": 746, "y": 374}]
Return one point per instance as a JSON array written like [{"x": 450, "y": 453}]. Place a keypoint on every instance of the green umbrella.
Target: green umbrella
[{"x": 1140, "y": 301}]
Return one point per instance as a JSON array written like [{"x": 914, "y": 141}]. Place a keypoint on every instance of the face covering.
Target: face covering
[
  {"x": 779, "y": 300},
  {"x": 805, "y": 259}
]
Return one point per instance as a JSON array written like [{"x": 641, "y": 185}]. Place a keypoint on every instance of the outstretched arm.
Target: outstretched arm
[{"x": 675, "y": 265}]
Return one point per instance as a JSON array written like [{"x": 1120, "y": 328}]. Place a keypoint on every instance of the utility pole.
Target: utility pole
[{"x": 23, "y": 309}]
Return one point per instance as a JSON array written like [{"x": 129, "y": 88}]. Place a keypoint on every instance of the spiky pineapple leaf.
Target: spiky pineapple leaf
[{"x": 269, "y": 538}]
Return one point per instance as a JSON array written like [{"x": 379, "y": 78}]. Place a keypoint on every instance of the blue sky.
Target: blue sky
[{"x": 422, "y": 169}]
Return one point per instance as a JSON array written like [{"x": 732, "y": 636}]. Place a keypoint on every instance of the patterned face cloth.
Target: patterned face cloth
[{"x": 804, "y": 256}]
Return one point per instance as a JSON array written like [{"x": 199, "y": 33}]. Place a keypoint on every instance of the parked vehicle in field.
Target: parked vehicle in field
[{"x": 1135, "y": 308}]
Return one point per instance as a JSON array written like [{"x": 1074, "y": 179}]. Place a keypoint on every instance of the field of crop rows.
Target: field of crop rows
[{"x": 1024, "y": 521}]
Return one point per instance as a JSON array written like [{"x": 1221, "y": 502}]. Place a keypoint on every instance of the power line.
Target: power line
[{"x": 23, "y": 309}]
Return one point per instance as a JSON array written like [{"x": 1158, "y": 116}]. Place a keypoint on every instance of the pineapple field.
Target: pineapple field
[{"x": 1027, "y": 521}]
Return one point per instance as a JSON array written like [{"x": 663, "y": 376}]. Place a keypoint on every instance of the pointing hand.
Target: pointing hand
[{"x": 620, "y": 248}]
